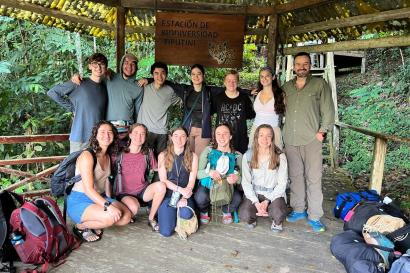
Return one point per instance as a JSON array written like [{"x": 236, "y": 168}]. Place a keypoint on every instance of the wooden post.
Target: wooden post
[
  {"x": 120, "y": 35},
  {"x": 379, "y": 155},
  {"x": 289, "y": 67},
  {"x": 273, "y": 39},
  {"x": 332, "y": 82}
]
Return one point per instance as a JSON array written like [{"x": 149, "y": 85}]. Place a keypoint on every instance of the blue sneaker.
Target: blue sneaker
[
  {"x": 296, "y": 216},
  {"x": 317, "y": 225}
]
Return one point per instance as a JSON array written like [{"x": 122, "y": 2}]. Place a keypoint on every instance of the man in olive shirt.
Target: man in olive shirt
[{"x": 309, "y": 115}]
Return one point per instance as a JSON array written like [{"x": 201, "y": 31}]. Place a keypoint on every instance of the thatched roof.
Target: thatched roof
[{"x": 315, "y": 19}]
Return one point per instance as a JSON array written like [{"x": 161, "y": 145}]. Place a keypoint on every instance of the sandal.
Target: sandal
[
  {"x": 227, "y": 218},
  {"x": 204, "y": 218},
  {"x": 86, "y": 235},
  {"x": 98, "y": 232},
  {"x": 154, "y": 225}
]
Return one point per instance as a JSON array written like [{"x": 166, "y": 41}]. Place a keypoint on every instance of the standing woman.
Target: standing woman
[
  {"x": 219, "y": 163},
  {"x": 269, "y": 105},
  {"x": 264, "y": 178},
  {"x": 87, "y": 206},
  {"x": 177, "y": 168},
  {"x": 133, "y": 187}
]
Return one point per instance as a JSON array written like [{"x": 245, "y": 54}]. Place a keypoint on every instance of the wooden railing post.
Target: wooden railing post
[{"x": 379, "y": 155}]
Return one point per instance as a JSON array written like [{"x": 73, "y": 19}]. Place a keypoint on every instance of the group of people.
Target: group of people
[{"x": 198, "y": 166}]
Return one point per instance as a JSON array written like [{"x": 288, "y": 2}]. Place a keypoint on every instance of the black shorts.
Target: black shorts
[{"x": 139, "y": 196}]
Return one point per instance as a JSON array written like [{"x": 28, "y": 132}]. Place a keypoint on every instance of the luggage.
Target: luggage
[
  {"x": 348, "y": 200},
  {"x": 44, "y": 236},
  {"x": 356, "y": 256},
  {"x": 9, "y": 201}
]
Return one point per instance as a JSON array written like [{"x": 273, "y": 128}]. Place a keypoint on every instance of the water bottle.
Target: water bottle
[{"x": 16, "y": 239}]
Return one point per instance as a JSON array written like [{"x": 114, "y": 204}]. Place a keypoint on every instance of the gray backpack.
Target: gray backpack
[{"x": 401, "y": 265}]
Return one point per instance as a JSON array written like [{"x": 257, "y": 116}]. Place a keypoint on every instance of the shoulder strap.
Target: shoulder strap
[{"x": 192, "y": 109}]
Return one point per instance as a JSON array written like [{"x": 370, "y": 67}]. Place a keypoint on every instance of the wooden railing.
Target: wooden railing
[
  {"x": 379, "y": 151},
  {"x": 28, "y": 177}
]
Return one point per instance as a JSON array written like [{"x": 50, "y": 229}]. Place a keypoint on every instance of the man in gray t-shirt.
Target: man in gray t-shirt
[
  {"x": 88, "y": 101},
  {"x": 157, "y": 99}
]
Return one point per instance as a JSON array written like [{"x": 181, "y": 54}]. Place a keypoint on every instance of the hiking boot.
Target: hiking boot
[
  {"x": 317, "y": 225},
  {"x": 276, "y": 228},
  {"x": 251, "y": 225},
  {"x": 227, "y": 218},
  {"x": 296, "y": 216},
  {"x": 204, "y": 218}
]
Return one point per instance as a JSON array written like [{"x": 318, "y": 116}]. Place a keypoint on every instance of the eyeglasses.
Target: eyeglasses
[{"x": 97, "y": 64}]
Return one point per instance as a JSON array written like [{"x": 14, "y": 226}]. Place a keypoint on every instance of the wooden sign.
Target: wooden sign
[{"x": 190, "y": 38}]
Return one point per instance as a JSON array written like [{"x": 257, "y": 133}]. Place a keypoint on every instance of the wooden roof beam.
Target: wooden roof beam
[
  {"x": 352, "y": 21},
  {"x": 396, "y": 41},
  {"x": 71, "y": 17},
  {"x": 216, "y": 8}
]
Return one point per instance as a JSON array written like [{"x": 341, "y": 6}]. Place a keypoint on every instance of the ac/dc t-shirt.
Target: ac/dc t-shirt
[{"x": 235, "y": 112}]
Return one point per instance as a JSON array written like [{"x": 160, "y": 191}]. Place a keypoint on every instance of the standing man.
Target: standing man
[
  {"x": 153, "y": 113},
  {"x": 309, "y": 116},
  {"x": 234, "y": 108},
  {"x": 87, "y": 101}
]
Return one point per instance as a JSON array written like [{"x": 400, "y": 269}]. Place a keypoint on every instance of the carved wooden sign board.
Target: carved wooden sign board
[{"x": 190, "y": 38}]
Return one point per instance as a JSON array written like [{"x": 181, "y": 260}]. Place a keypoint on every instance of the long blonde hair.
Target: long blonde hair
[
  {"x": 169, "y": 153},
  {"x": 274, "y": 151}
]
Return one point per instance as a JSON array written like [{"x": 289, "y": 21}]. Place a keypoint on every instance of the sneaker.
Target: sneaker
[
  {"x": 296, "y": 216},
  {"x": 276, "y": 228},
  {"x": 251, "y": 225},
  {"x": 204, "y": 218},
  {"x": 227, "y": 218},
  {"x": 317, "y": 225},
  {"x": 378, "y": 239}
]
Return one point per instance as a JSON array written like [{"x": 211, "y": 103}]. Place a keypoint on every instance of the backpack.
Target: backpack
[
  {"x": 9, "y": 201},
  {"x": 348, "y": 200},
  {"x": 401, "y": 265},
  {"x": 64, "y": 177},
  {"x": 401, "y": 238},
  {"x": 355, "y": 255},
  {"x": 45, "y": 234},
  {"x": 116, "y": 177}
]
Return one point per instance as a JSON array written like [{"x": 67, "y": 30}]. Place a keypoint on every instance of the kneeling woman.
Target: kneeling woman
[
  {"x": 133, "y": 188},
  {"x": 177, "y": 168},
  {"x": 86, "y": 205},
  {"x": 264, "y": 178},
  {"x": 219, "y": 164}
]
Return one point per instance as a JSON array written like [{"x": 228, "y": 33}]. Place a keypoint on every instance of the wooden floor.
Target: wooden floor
[{"x": 215, "y": 247}]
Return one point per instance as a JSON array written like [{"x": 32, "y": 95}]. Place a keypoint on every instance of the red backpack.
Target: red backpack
[{"x": 45, "y": 237}]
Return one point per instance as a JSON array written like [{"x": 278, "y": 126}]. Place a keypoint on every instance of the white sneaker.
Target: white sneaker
[{"x": 276, "y": 228}]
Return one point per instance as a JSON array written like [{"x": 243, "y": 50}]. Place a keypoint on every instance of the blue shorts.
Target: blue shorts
[{"x": 77, "y": 202}]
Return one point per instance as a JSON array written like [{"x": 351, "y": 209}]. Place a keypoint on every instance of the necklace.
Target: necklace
[{"x": 178, "y": 170}]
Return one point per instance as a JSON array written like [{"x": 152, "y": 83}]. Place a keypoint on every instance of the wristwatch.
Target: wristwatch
[{"x": 106, "y": 205}]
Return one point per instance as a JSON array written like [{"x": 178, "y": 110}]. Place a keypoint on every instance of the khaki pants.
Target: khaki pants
[
  {"x": 305, "y": 173},
  {"x": 277, "y": 210},
  {"x": 276, "y": 131},
  {"x": 197, "y": 143}
]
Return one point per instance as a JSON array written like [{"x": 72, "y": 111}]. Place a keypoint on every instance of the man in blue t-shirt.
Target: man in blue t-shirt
[{"x": 87, "y": 101}]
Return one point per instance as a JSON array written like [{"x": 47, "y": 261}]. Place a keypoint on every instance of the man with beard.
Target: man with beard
[
  {"x": 87, "y": 101},
  {"x": 309, "y": 115},
  {"x": 124, "y": 95}
]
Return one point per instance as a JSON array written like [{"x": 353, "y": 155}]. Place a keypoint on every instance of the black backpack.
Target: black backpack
[
  {"x": 9, "y": 201},
  {"x": 64, "y": 177}
]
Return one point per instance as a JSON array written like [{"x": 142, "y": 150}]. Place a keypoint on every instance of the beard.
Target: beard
[{"x": 302, "y": 73}]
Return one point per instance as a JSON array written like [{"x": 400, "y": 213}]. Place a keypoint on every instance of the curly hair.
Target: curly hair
[
  {"x": 93, "y": 142},
  {"x": 278, "y": 93},
  {"x": 274, "y": 150},
  {"x": 215, "y": 144},
  {"x": 169, "y": 153},
  {"x": 144, "y": 147}
]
